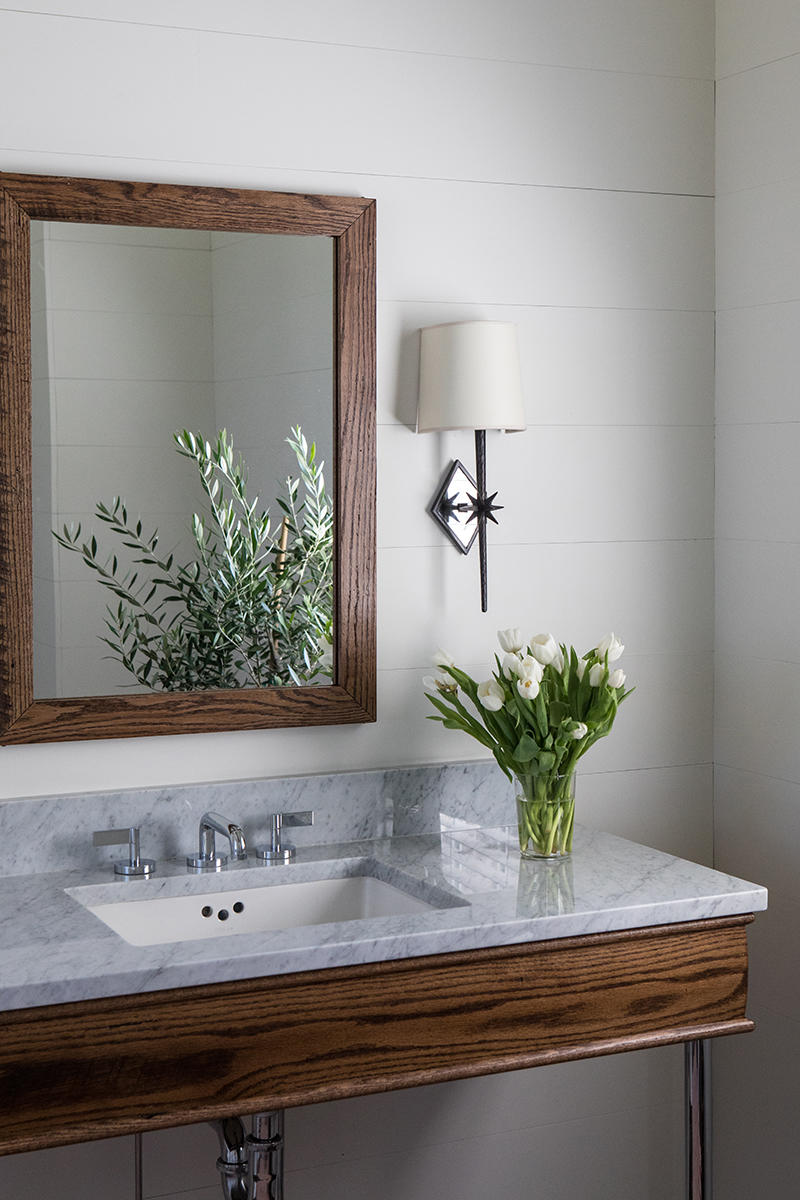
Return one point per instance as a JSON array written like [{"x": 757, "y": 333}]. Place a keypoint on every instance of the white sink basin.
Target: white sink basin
[{"x": 253, "y": 909}]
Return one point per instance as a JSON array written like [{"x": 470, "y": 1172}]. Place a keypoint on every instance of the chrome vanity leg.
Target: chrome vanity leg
[
  {"x": 265, "y": 1147},
  {"x": 137, "y": 1166},
  {"x": 698, "y": 1113}
]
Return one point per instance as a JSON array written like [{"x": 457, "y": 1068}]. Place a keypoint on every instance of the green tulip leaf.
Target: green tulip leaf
[{"x": 526, "y": 748}]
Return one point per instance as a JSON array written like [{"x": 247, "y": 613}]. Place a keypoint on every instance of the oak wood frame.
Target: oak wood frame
[
  {"x": 350, "y": 221},
  {"x": 102, "y": 1068}
]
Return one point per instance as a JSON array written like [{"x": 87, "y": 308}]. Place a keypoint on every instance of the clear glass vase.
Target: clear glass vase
[
  {"x": 545, "y": 888},
  {"x": 545, "y": 814}
]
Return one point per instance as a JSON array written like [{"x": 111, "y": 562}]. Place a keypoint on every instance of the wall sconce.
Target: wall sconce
[{"x": 469, "y": 378}]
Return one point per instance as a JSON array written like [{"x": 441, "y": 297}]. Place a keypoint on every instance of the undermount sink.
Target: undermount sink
[{"x": 150, "y": 922}]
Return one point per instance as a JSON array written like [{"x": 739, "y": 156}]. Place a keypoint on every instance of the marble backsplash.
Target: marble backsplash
[{"x": 51, "y": 833}]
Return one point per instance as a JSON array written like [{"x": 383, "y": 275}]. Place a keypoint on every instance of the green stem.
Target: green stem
[{"x": 546, "y": 812}]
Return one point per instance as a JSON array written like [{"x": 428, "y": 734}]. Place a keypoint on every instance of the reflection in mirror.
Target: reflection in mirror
[{"x": 139, "y": 334}]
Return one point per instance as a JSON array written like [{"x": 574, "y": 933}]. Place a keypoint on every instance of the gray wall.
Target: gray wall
[{"x": 757, "y": 796}]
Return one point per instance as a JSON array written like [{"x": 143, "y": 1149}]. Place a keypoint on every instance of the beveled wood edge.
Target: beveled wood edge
[
  {"x": 351, "y": 222},
  {"x": 149, "y": 715},
  {"x": 89, "y": 1131}
]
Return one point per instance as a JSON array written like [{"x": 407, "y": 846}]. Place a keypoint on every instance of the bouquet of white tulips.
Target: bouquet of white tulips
[{"x": 539, "y": 713}]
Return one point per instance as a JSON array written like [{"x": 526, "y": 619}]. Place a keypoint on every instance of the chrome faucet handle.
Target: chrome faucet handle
[
  {"x": 136, "y": 866},
  {"x": 207, "y": 859},
  {"x": 279, "y": 851}
]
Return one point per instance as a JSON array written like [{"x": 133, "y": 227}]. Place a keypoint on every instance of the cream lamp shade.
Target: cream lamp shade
[{"x": 469, "y": 377}]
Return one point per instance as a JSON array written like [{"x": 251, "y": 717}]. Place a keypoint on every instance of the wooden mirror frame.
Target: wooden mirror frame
[{"x": 350, "y": 221}]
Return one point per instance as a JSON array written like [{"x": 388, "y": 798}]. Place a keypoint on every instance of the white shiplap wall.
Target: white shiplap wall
[
  {"x": 548, "y": 164},
  {"x": 757, "y": 793}
]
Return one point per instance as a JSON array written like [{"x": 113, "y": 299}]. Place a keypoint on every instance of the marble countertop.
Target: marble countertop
[{"x": 53, "y": 949}]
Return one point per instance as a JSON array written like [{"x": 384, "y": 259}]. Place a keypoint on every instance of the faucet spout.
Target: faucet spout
[{"x": 211, "y": 823}]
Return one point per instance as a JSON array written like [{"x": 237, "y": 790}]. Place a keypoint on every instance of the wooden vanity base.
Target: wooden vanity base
[{"x": 101, "y": 1068}]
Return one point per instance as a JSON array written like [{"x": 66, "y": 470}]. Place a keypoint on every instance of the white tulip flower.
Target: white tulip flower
[
  {"x": 528, "y": 687},
  {"x": 491, "y": 695},
  {"x": 596, "y": 674},
  {"x": 580, "y": 731},
  {"x": 511, "y": 666},
  {"x": 610, "y": 645},
  {"x": 545, "y": 649},
  {"x": 442, "y": 659},
  {"x": 511, "y": 640},
  {"x": 581, "y": 668},
  {"x": 617, "y": 678},
  {"x": 439, "y": 683},
  {"x": 530, "y": 668}
]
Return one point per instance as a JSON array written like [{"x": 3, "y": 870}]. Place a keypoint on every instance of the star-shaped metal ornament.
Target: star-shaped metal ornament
[{"x": 484, "y": 508}]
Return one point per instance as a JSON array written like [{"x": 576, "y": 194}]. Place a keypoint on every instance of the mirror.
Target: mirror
[
  {"x": 137, "y": 335},
  {"x": 206, "y": 255}
]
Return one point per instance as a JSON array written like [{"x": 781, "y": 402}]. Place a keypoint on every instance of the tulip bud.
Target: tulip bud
[
  {"x": 511, "y": 666},
  {"x": 439, "y": 683},
  {"x": 545, "y": 649},
  {"x": 580, "y": 731},
  {"x": 596, "y": 674},
  {"x": 617, "y": 678},
  {"x": 491, "y": 695},
  {"x": 530, "y": 668},
  {"x": 610, "y": 645},
  {"x": 511, "y": 640}
]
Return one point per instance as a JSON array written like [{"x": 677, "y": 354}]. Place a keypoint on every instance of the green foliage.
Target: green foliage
[
  {"x": 252, "y": 609},
  {"x": 540, "y": 734}
]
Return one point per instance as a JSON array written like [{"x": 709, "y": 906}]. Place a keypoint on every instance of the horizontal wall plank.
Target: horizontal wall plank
[
  {"x": 755, "y": 143},
  {"x": 657, "y": 595},
  {"x": 758, "y": 246},
  {"x": 749, "y": 35},
  {"x": 666, "y": 469},
  {"x": 510, "y": 245},
  {"x": 755, "y": 719},
  {"x": 512, "y": 122},
  {"x": 619, "y": 1147},
  {"x": 757, "y": 832},
  {"x": 763, "y": 578},
  {"x": 758, "y": 362},
  {"x": 580, "y": 366},
  {"x": 756, "y": 476},
  {"x": 675, "y": 39}
]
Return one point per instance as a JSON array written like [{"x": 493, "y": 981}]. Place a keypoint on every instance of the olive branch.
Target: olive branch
[{"x": 253, "y": 608}]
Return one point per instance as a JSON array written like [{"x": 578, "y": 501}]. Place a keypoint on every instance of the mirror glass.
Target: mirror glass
[{"x": 140, "y": 337}]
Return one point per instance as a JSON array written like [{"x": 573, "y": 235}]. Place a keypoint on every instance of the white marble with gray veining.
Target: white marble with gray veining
[
  {"x": 53, "y": 949},
  {"x": 49, "y": 832}
]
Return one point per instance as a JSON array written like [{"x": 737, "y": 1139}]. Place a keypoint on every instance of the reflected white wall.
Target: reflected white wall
[{"x": 129, "y": 324}]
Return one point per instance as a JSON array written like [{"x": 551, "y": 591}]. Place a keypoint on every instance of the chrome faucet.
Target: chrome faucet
[
  {"x": 279, "y": 851},
  {"x": 207, "y": 859},
  {"x": 135, "y": 866}
]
